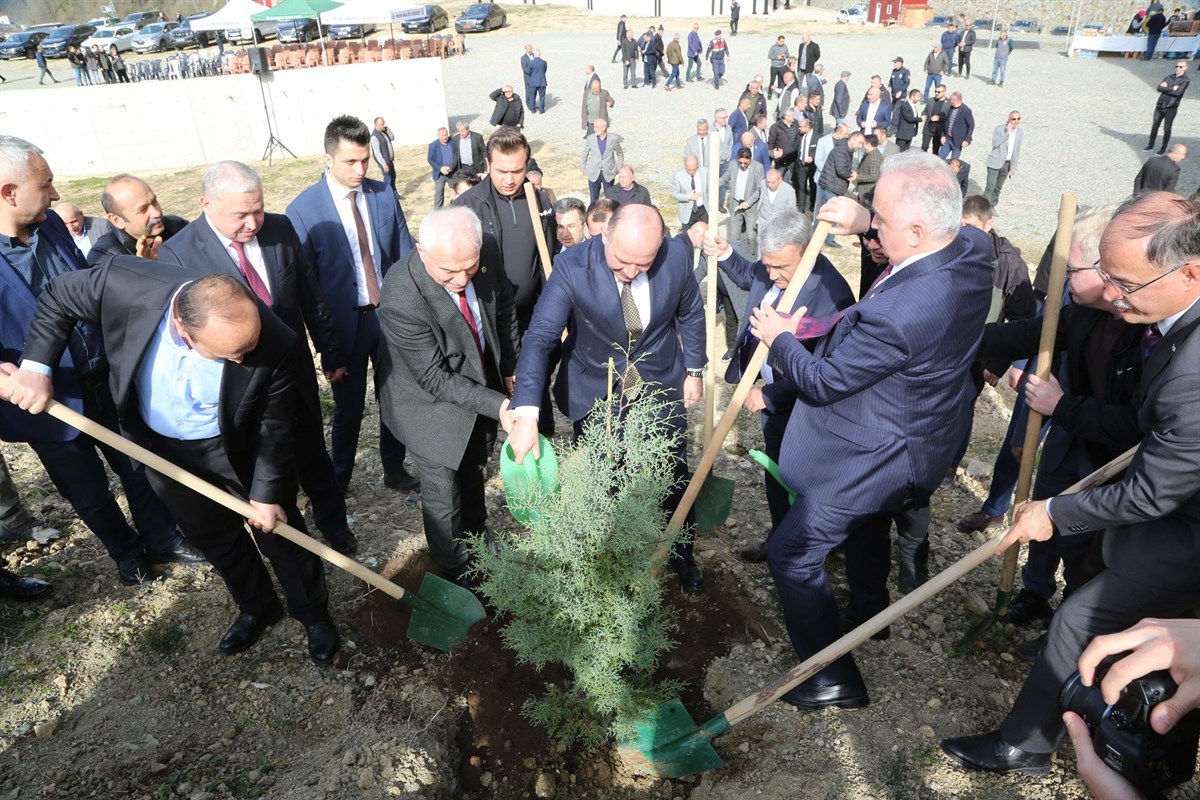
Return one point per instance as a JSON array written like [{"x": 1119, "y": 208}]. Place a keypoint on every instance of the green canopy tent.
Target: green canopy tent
[{"x": 299, "y": 9}]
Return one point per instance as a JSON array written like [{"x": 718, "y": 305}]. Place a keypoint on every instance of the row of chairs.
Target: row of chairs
[{"x": 297, "y": 56}]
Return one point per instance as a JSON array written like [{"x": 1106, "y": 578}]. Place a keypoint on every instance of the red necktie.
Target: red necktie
[
  {"x": 370, "y": 279},
  {"x": 251, "y": 274},
  {"x": 882, "y": 275},
  {"x": 465, "y": 307}
]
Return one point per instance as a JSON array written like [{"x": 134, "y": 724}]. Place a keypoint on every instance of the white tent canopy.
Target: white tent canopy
[
  {"x": 364, "y": 12},
  {"x": 234, "y": 15}
]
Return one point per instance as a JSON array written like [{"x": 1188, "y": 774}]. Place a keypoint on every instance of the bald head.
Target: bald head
[
  {"x": 632, "y": 239},
  {"x": 132, "y": 206},
  {"x": 71, "y": 216},
  {"x": 218, "y": 317}
]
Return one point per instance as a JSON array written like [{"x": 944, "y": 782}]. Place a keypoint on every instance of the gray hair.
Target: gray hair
[
  {"x": 929, "y": 189},
  {"x": 1089, "y": 227},
  {"x": 15, "y": 155},
  {"x": 1169, "y": 223},
  {"x": 788, "y": 228},
  {"x": 845, "y": 73},
  {"x": 451, "y": 223},
  {"x": 229, "y": 177}
]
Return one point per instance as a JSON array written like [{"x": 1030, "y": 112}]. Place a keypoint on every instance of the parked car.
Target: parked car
[
  {"x": 983, "y": 25},
  {"x": 1025, "y": 25},
  {"x": 433, "y": 18},
  {"x": 481, "y": 17},
  {"x": 119, "y": 35},
  {"x": 45, "y": 27},
  {"x": 298, "y": 30},
  {"x": 154, "y": 37},
  {"x": 1060, "y": 30},
  {"x": 939, "y": 22},
  {"x": 856, "y": 15},
  {"x": 103, "y": 22},
  {"x": 258, "y": 32},
  {"x": 350, "y": 31},
  {"x": 21, "y": 45},
  {"x": 55, "y": 45},
  {"x": 140, "y": 19},
  {"x": 184, "y": 36}
]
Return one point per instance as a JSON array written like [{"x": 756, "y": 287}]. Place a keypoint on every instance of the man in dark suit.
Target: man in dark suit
[
  {"x": 34, "y": 248},
  {"x": 1160, "y": 173},
  {"x": 472, "y": 152},
  {"x": 626, "y": 190},
  {"x": 839, "y": 109},
  {"x": 236, "y": 237},
  {"x": 535, "y": 79},
  {"x": 352, "y": 230},
  {"x": 874, "y": 112},
  {"x": 959, "y": 130},
  {"x": 934, "y": 116},
  {"x": 634, "y": 299},
  {"x": 139, "y": 226},
  {"x": 83, "y": 229},
  {"x": 202, "y": 375},
  {"x": 444, "y": 160},
  {"x": 621, "y": 29},
  {"x": 527, "y": 72},
  {"x": 450, "y": 351},
  {"x": 908, "y": 119},
  {"x": 1150, "y": 518},
  {"x": 890, "y": 417}
]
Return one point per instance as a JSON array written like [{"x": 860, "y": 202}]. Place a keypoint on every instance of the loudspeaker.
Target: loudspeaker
[{"x": 259, "y": 62}]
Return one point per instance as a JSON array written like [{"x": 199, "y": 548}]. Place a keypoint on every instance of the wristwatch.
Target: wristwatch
[{"x": 695, "y": 373}]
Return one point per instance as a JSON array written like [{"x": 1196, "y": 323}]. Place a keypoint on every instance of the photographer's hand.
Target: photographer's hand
[{"x": 1104, "y": 782}]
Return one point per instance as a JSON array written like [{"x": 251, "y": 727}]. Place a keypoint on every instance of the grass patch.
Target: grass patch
[{"x": 163, "y": 637}]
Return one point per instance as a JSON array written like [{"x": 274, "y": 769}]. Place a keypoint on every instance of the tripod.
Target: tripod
[{"x": 273, "y": 142}]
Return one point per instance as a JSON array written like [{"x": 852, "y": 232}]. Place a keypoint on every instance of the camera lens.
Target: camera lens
[{"x": 1086, "y": 701}]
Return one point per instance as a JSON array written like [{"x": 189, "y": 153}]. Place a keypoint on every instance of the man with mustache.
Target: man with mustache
[{"x": 139, "y": 226}]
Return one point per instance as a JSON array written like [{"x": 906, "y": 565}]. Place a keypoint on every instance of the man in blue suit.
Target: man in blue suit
[
  {"x": 824, "y": 294},
  {"x": 352, "y": 230},
  {"x": 874, "y": 112},
  {"x": 633, "y": 298},
  {"x": 959, "y": 130},
  {"x": 444, "y": 160},
  {"x": 885, "y": 396},
  {"x": 535, "y": 83}
]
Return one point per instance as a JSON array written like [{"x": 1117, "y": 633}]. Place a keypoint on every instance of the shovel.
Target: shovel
[
  {"x": 669, "y": 744},
  {"x": 1058, "y": 275},
  {"x": 442, "y": 612}
]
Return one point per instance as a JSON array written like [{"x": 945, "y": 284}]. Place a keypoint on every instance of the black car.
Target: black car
[
  {"x": 433, "y": 18},
  {"x": 1025, "y": 26},
  {"x": 298, "y": 30},
  {"x": 56, "y": 44},
  {"x": 983, "y": 25},
  {"x": 350, "y": 31},
  {"x": 184, "y": 36},
  {"x": 21, "y": 45},
  {"x": 481, "y": 17}
]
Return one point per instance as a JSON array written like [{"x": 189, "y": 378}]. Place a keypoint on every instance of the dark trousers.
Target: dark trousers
[
  {"x": 932, "y": 132},
  {"x": 718, "y": 70},
  {"x": 869, "y": 557},
  {"x": 350, "y": 401},
  {"x": 537, "y": 98},
  {"x": 221, "y": 536},
  {"x": 1043, "y": 558},
  {"x": 389, "y": 177},
  {"x": 903, "y": 144},
  {"x": 1106, "y": 604},
  {"x": 439, "y": 190},
  {"x": 776, "y": 82},
  {"x": 774, "y": 425},
  {"x": 1165, "y": 117},
  {"x": 699, "y": 214},
  {"x": 452, "y": 499},
  {"x": 649, "y": 74},
  {"x": 314, "y": 467},
  {"x": 964, "y": 62},
  {"x": 76, "y": 470},
  {"x": 597, "y": 187}
]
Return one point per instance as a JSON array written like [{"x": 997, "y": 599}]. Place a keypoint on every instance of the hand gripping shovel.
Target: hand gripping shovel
[
  {"x": 670, "y": 745},
  {"x": 442, "y": 613}
]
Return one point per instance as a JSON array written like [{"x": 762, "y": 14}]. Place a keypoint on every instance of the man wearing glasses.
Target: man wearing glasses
[
  {"x": 1150, "y": 263},
  {"x": 1170, "y": 94},
  {"x": 1006, "y": 153},
  {"x": 935, "y": 115}
]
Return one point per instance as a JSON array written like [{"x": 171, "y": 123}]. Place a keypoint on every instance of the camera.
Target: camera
[{"x": 1122, "y": 734}]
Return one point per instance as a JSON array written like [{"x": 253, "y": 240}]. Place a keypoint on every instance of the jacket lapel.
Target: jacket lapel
[{"x": 1165, "y": 350}]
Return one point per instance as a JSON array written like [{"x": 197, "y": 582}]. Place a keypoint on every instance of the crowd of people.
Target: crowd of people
[{"x": 193, "y": 337}]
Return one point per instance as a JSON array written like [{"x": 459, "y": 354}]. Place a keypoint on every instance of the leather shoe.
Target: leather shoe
[
  {"x": 14, "y": 587},
  {"x": 246, "y": 630},
  {"x": 852, "y": 694},
  {"x": 989, "y": 752},
  {"x": 343, "y": 541},
  {"x": 135, "y": 571},
  {"x": 182, "y": 553},
  {"x": 401, "y": 481},
  {"x": 323, "y": 643},
  {"x": 1027, "y": 607},
  {"x": 1029, "y": 651},
  {"x": 690, "y": 579},
  {"x": 753, "y": 554},
  {"x": 979, "y": 521}
]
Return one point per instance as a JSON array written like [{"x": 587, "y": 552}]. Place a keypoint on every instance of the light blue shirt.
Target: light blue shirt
[
  {"x": 178, "y": 389},
  {"x": 473, "y": 302}
]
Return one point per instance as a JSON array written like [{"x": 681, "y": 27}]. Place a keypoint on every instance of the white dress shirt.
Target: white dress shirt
[
  {"x": 341, "y": 201},
  {"x": 473, "y": 302}
]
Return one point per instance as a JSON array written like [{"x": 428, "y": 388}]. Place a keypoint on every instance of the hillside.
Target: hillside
[{"x": 32, "y": 12}]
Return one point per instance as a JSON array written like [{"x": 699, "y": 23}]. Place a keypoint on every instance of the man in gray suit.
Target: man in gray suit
[
  {"x": 690, "y": 188},
  {"x": 601, "y": 158},
  {"x": 84, "y": 230},
  {"x": 450, "y": 352},
  {"x": 774, "y": 197},
  {"x": 1151, "y": 519},
  {"x": 742, "y": 184},
  {"x": 1004, "y": 156}
]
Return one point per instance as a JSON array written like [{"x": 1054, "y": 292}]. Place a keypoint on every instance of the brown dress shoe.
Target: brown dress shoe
[
  {"x": 755, "y": 553},
  {"x": 979, "y": 521}
]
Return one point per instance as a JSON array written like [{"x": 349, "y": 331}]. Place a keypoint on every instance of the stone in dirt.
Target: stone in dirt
[
  {"x": 44, "y": 730},
  {"x": 545, "y": 786}
]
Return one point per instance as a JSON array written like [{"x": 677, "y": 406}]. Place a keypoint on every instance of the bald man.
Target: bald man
[
  {"x": 139, "y": 226},
  {"x": 84, "y": 230}
]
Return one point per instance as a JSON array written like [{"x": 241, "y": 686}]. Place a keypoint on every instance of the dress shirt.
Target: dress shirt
[
  {"x": 703, "y": 140},
  {"x": 464, "y": 150},
  {"x": 739, "y": 185},
  {"x": 868, "y": 123},
  {"x": 253, "y": 255},
  {"x": 473, "y": 302},
  {"x": 346, "y": 215},
  {"x": 1011, "y": 137},
  {"x": 82, "y": 242},
  {"x": 178, "y": 390},
  {"x": 699, "y": 203},
  {"x": 769, "y": 299},
  {"x": 897, "y": 267}
]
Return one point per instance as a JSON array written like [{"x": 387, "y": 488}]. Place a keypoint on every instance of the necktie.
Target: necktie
[
  {"x": 882, "y": 275},
  {"x": 631, "y": 379},
  {"x": 703, "y": 150},
  {"x": 370, "y": 279},
  {"x": 465, "y": 308},
  {"x": 1150, "y": 340},
  {"x": 251, "y": 274}
]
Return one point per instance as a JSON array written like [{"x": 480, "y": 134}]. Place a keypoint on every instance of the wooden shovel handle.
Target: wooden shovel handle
[{"x": 538, "y": 233}]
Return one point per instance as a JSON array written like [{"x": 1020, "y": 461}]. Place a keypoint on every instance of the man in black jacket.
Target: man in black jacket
[
  {"x": 935, "y": 119},
  {"x": 139, "y": 226},
  {"x": 1160, "y": 172},
  {"x": 838, "y": 173},
  {"x": 509, "y": 110},
  {"x": 1170, "y": 89}
]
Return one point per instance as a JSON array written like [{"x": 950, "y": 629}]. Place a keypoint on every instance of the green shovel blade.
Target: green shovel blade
[
  {"x": 713, "y": 502},
  {"x": 668, "y": 744},
  {"x": 442, "y": 613}
]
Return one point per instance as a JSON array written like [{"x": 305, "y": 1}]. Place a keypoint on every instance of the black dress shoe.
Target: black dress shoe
[
  {"x": 838, "y": 695},
  {"x": 323, "y": 643},
  {"x": 183, "y": 553},
  {"x": 14, "y": 587},
  {"x": 246, "y": 630},
  {"x": 753, "y": 554},
  {"x": 135, "y": 571},
  {"x": 1029, "y": 651},
  {"x": 343, "y": 541},
  {"x": 989, "y": 752},
  {"x": 401, "y": 481},
  {"x": 1027, "y": 607},
  {"x": 690, "y": 579}
]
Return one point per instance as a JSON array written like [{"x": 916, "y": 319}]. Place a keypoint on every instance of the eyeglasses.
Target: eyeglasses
[
  {"x": 1014, "y": 119},
  {"x": 1127, "y": 290}
]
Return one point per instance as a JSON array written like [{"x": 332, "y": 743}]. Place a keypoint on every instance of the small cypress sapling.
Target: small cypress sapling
[{"x": 582, "y": 587}]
